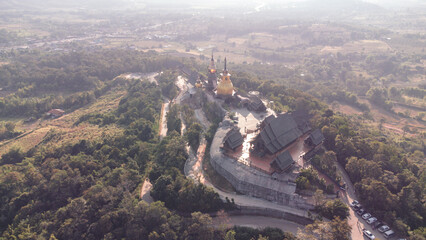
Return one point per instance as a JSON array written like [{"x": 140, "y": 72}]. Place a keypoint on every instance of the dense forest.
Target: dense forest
[
  {"x": 87, "y": 190},
  {"x": 39, "y": 81}
]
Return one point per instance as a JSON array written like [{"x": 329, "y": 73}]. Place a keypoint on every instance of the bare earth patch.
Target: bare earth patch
[
  {"x": 26, "y": 142},
  {"x": 359, "y": 46},
  {"x": 348, "y": 110},
  {"x": 392, "y": 121}
]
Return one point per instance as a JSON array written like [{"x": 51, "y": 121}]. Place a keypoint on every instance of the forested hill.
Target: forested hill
[
  {"x": 33, "y": 83},
  {"x": 89, "y": 189}
]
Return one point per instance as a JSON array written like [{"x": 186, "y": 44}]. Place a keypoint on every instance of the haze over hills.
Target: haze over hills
[
  {"x": 92, "y": 4},
  {"x": 120, "y": 4},
  {"x": 398, "y": 4}
]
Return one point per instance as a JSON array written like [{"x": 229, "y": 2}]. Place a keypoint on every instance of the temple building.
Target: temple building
[
  {"x": 212, "y": 78},
  {"x": 316, "y": 138},
  {"x": 256, "y": 104},
  {"x": 301, "y": 117},
  {"x": 282, "y": 162},
  {"x": 277, "y": 133},
  {"x": 225, "y": 88},
  {"x": 233, "y": 139}
]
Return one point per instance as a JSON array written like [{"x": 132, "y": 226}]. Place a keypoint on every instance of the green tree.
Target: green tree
[
  {"x": 193, "y": 135},
  {"x": 230, "y": 235}
]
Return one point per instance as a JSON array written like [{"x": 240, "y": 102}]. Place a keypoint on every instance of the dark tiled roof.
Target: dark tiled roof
[
  {"x": 317, "y": 137},
  {"x": 283, "y": 161},
  {"x": 233, "y": 139},
  {"x": 269, "y": 119},
  {"x": 301, "y": 118},
  {"x": 278, "y": 132},
  {"x": 256, "y": 104}
]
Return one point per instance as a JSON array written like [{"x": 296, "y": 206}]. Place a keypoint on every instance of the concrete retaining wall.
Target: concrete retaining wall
[
  {"x": 244, "y": 210},
  {"x": 250, "y": 181}
]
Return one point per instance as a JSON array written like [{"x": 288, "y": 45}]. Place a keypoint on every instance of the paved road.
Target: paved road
[
  {"x": 182, "y": 84},
  {"x": 355, "y": 221}
]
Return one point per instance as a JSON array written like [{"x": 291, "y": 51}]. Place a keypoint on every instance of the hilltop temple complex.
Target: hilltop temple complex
[{"x": 258, "y": 151}]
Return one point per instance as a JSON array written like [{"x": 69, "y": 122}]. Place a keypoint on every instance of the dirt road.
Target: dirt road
[
  {"x": 163, "y": 121},
  {"x": 145, "y": 191}
]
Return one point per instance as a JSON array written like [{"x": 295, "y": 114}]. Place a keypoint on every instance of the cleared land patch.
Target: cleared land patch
[{"x": 63, "y": 128}]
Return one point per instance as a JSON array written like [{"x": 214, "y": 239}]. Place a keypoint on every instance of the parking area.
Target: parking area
[{"x": 370, "y": 226}]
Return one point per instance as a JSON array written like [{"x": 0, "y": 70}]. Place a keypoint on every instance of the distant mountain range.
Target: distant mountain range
[
  {"x": 44, "y": 4},
  {"x": 398, "y": 3},
  {"x": 364, "y": 5}
]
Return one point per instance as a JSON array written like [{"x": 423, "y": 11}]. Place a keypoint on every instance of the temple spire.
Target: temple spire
[{"x": 225, "y": 65}]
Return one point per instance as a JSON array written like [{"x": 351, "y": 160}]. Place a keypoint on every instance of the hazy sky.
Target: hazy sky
[{"x": 41, "y": 4}]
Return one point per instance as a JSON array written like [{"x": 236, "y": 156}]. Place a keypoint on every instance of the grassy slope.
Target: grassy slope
[{"x": 34, "y": 133}]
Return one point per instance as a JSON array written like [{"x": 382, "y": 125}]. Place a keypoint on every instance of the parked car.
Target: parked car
[
  {"x": 389, "y": 234},
  {"x": 372, "y": 220},
  {"x": 366, "y": 216},
  {"x": 353, "y": 203},
  {"x": 377, "y": 224},
  {"x": 360, "y": 212},
  {"x": 368, "y": 234},
  {"x": 358, "y": 206},
  {"x": 384, "y": 228}
]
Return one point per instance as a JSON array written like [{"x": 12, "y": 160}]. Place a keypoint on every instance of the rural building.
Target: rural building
[
  {"x": 282, "y": 162},
  {"x": 55, "y": 113}
]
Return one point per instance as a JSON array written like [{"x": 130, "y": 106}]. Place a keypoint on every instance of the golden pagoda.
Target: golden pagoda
[
  {"x": 225, "y": 88},
  {"x": 212, "y": 78}
]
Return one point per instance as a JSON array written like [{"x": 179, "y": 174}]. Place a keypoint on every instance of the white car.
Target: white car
[
  {"x": 388, "y": 234},
  {"x": 372, "y": 220},
  {"x": 384, "y": 228},
  {"x": 366, "y": 216},
  {"x": 368, "y": 234},
  {"x": 353, "y": 203}
]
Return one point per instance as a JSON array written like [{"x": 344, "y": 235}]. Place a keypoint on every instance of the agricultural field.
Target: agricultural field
[{"x": 63, "y": 128}]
